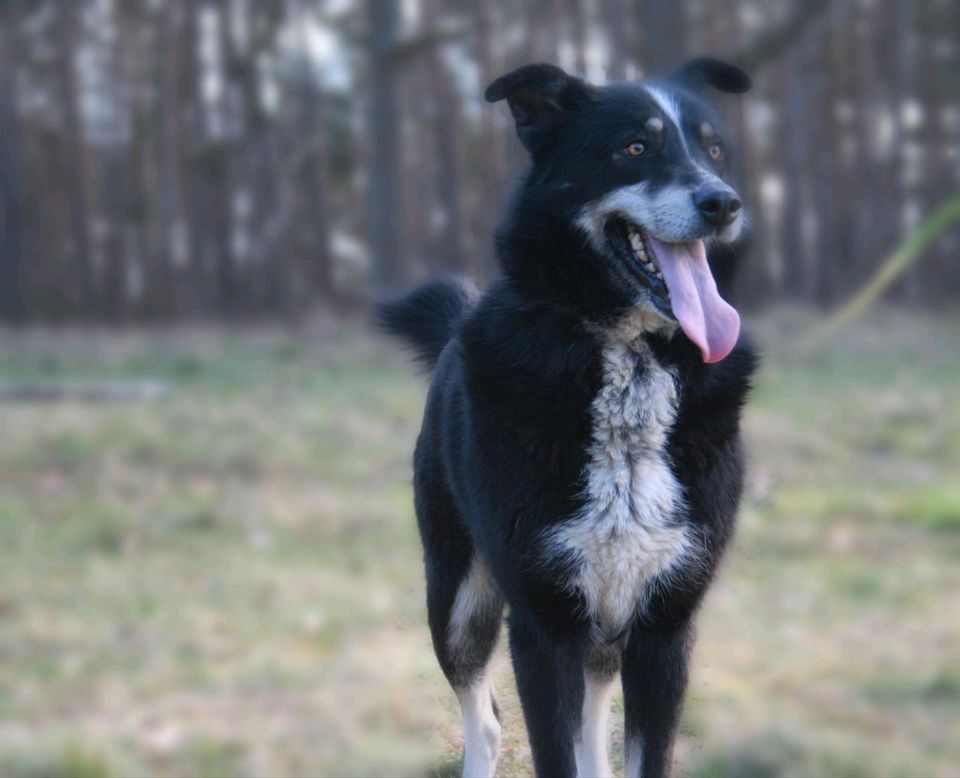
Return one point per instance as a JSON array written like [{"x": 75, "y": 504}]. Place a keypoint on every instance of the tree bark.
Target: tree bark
[
  {"x": 793, "y": 145},
  {"x": 72, "y": 151},
  {"x": 664, "y": 27},
  {"x": 579, "y": 24},
  {"x": 491, "y": 146},
  {"x": 220, "y": 174},
  {"x": 447, "y": 131},
  {"x": 12, "y": 307},
  {"x": 384, "y": 184},
  {"x": 174, "y": 248},
  {"x": 616, "y": 19}
]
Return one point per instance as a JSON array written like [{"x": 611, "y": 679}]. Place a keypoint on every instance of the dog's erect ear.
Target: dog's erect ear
[
  {"x": 539, "y": 96},
  {"x": 703, "y": 72}
]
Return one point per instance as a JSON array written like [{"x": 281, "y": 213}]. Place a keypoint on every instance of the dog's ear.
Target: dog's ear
[
  {"x": 703, "y": 72},
  {"x": 539, "y": 96}
]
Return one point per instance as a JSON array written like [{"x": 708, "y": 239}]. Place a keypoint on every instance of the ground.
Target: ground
[{"x": 226, "y": 580}]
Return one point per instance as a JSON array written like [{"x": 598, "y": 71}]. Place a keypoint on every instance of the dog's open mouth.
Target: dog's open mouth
[{"x": 679, "y": 284}]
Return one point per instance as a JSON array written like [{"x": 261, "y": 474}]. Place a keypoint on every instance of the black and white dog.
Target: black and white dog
[{"x": 580, "y": 458}]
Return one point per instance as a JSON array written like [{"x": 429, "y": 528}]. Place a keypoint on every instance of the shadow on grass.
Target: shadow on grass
[
  {"x": 776, "y": 754},
  {"x": 451, "y": 769},
  {"x": 737, "y": 764},
  {"x": 75, "y": 761}
]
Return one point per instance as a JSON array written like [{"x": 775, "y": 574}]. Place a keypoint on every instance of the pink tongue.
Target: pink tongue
[{"x": 707, "y": 319}]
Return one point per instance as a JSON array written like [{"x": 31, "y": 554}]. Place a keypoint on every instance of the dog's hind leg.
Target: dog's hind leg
[
  {"x": 465, "y": 610},
  {"x": 601, "y": 670},
  {"x": 472, "y": 631}
]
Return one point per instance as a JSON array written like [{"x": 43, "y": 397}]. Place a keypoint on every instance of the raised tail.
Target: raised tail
[{"x": 427, "y": 317}]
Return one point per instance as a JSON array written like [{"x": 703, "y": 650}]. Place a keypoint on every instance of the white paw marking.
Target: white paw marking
[
  {"x": 592, "y": 749},
  {"x": 481, "y": 730}
]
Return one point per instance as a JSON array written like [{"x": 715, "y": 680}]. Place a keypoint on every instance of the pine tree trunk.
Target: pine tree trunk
[
  {"x": 72, "y": 153},
  {"x": 664, "y": 28},
  {"x": 11, "y": 195},
  {"x": 447, "y": 131},
  {"x": 384, "y": 227}
]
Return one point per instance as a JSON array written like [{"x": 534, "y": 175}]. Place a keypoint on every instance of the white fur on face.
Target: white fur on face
[
  {"x": 592, "y": 748},
  {"x": 481, "y": 730},
  {"x": 629, "y": 533},
  {"x": 667, "y": 213},
  {"x": 671, "y": 109}
]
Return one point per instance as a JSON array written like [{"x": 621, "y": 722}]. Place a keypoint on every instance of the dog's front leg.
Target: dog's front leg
[
  {"x": 550, "y": 681},
  {"x": 600, "y": 673},
  {"x": 654, "y": 681}
]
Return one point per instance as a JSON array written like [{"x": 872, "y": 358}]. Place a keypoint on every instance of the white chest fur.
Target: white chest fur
[{"x": 628, "y": 533}]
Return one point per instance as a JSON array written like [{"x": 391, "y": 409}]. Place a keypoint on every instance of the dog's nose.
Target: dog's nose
[{"x": 718, "y": 207}]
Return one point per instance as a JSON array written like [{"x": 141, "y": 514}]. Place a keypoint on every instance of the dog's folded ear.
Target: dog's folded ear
[
  {"x": 702, "y": 72},
  {"x": 539, "y": 96}
]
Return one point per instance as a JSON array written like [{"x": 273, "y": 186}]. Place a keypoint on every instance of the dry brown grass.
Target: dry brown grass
[{"x": 227, "y": 581}]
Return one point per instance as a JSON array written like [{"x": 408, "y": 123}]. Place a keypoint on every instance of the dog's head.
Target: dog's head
[{"x": 627, "y": 183}]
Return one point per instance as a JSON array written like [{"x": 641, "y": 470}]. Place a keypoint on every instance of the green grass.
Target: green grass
[{"x": 227, "y": 581}]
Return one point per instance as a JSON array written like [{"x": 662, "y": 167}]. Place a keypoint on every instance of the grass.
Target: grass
[{"x": 226, "y": 581}]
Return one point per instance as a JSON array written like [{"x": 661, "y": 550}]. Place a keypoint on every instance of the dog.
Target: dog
[{"x": 580, "y": 459}]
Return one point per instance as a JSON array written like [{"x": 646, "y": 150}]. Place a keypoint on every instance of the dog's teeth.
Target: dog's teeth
[
  {"x": 649, "y": 267},
  {"x": 636, "y": 242}
]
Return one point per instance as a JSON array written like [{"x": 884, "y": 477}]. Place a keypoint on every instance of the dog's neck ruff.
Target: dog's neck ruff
[
  {"x": 641, "y": 320},
  {"x": 630, "y": 532}
]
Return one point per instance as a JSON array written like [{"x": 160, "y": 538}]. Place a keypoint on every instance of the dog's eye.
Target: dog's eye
[
  {"x": 715, "y": 151},
  {"x": 636, "y": 148}
]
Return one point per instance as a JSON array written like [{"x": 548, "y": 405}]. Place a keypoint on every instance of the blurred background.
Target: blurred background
[{"x": 208, "y": 558}]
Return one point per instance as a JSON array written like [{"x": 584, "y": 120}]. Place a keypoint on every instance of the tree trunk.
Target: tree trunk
[
  {"x": 616, "y": 21},
  {"x": 318, "y": 207},
  {"x": 312, "y": 113},
  {"x": 220, "y": 178},
  {"x": 940, "y": 179},
  {"x": 664, "y": 27},
  {"x": 72, "y": 151},
  {"x": 173, "y": 251},
  {"x": 11, "y": 194},
  {"x": 794, "y": 277},
  {"x": 491, "y": 146},
  {"x": 193, "y": 130},
  {"x": 579, "y": 24},
  {"x": 824, "y": 170},
  {"x": 384, "y": 185},
  {"x": 447, "y": 130}
]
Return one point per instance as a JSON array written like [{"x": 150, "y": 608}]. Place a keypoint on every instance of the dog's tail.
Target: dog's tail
[{"x": 428, "y": 316}]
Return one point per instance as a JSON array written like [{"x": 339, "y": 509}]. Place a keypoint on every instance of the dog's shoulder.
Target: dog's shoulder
[{"x": 527, "y": 347}]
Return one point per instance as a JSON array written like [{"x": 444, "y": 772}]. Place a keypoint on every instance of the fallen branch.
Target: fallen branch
[
  {"x": 82, "y": 391},
  {"x": 909, "y": 251}
]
